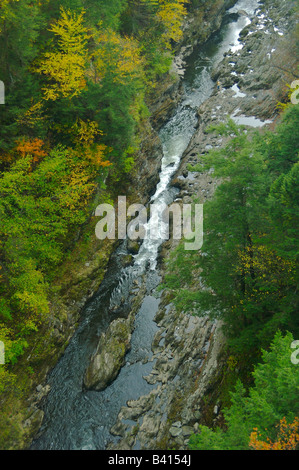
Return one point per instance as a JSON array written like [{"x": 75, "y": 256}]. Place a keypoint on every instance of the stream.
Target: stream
[{"x": 78, "y": 419}]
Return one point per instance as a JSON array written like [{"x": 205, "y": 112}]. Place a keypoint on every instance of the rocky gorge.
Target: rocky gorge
[
  {"x": 187, "y": 350},
  {"x": 83, "y": 274}
]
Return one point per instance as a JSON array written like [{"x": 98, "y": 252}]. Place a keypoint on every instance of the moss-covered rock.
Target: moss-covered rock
[
  {"x": 133, "y": 247},
  {"x": 110, "y": 354},
  {"x": 127, "y": 260}
]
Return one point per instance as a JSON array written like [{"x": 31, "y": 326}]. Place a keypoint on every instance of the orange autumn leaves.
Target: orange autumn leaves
[
  {"x": 71, "y": 63},
  {"x": 81, "y": 54},
  {"x": 84, "y": 135},
  {"x": 287, "y": 439},
  {"x": 90, "y": 154},
  {"x": 25, "y": 147},
  {"x": 33, "y": 147}
]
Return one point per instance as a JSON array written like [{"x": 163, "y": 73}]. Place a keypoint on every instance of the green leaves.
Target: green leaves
[
  {"x": 283, "y": 146},
  {"x": 284, "y": 201},
  {"x": 39, "y": 208},
  {"x": 76, "y": 73},
  {"x": 272, "y": 398}
]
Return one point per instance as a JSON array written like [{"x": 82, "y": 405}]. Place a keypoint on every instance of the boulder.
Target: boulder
[
  {"x": 179, "y": 182},
  {"x": 132, "y": 246},
  {"x": 174, "y": 431},
  {"x": 187, "y": 431},
  {"x": 242, "y": 13},
  {"x": 109, "y": 356},
  {"x": 127, "y": 260}
]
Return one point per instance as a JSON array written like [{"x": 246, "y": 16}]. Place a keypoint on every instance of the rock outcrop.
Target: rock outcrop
[{"x": 109, "y": 356}]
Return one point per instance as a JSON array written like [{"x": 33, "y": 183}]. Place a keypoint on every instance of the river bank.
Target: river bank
[{"x": 189, "y": 352}]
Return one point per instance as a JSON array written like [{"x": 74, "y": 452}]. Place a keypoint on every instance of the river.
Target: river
[{"x": 78, "y": 419}]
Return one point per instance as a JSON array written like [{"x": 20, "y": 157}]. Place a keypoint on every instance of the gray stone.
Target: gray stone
[
  {"x": 175, "y": 431},
  {"x": 177, "y": 424},
  {"x": 150, "y": 425},
  {"x": 258, "y": 81},
  {"x": 187, "y": 430},
  {"x": 195, "y": 427},
  {"x": 109, "y": 356}
]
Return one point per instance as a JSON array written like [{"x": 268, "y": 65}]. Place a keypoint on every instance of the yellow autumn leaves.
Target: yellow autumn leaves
[
  {"x": 120, "y": 53},
  {"x": 264, "y": 273},
  {"x": 83, "y": 54},
  {"x": 170, "y": 14},
  {"x": 265, "y": 262},
  {"x": 65, "y": 67},
  {"x": 85, "y": 134}
]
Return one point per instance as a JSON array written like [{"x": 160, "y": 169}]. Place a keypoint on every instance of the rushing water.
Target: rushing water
[{"x": 80, "y": 419}]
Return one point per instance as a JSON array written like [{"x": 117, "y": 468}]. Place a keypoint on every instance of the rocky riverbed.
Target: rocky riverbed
[{"x": 187, "y": 349}]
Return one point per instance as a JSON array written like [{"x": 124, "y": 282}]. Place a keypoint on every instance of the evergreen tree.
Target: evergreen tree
[
  {"x": 272, "y": 398},
  {"x": 246, "y": 271}
]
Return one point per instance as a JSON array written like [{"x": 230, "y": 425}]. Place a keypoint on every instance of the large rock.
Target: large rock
[
  {"x": 109, "y": 356},
  {"x": 133, "y": 246}
]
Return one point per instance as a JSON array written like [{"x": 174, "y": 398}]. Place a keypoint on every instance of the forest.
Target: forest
[{"x": 77, "y": 76}]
